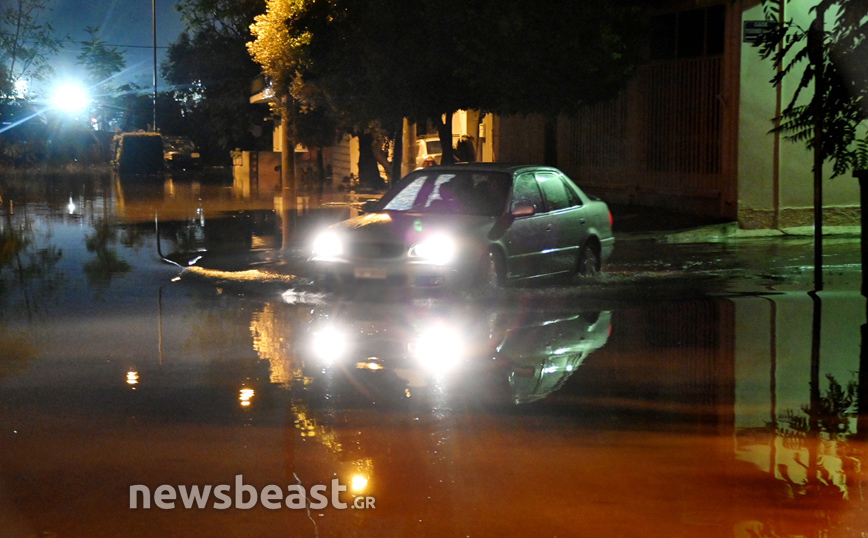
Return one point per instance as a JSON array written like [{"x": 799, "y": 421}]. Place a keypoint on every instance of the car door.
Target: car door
[
  {"x": 566, "y": 221},
  {"x": 527, "y": 238}
]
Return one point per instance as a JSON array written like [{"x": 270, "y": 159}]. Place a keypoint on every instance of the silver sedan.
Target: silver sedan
[{"x": 469, "y": 225}]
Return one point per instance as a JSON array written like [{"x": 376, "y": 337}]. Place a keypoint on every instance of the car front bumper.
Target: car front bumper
[{"x": 397, "y": 273}]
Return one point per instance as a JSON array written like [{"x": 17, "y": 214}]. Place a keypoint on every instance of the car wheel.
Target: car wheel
[
  {"x": 589, "y": 261},
  {"x": 494, "y": 276}
]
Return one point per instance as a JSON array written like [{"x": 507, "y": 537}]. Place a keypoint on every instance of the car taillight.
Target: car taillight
[{"x": 611, "y": 219}]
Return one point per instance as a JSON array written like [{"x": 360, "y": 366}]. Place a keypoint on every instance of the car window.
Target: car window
[
  {"x": 526, "y": 191},
  {"x": 435, "y": 193},
  {"x": 489, "y": 195},
  {"x": 557, "y": 195},
  {"x": 468, "y": 193},
  {"x": 404, "y": 199}
]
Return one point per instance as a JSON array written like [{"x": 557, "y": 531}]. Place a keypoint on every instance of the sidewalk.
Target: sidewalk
[{"x": 637, "y": 223}]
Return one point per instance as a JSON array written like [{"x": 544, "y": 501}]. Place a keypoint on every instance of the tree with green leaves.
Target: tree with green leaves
[
  {"x": 837, "y": 56},
  {"x": 830, "y": 59},
  {"x": 211, "y": 72},
  {"x": 26, "y": 43},
  {"x": 280, "y": 53},
  {"x": 101, "y": 63},
  {"x": 374, "y": 62},
  {"x": 521, "y": 59},
  {"x": 99, "y": 60}
]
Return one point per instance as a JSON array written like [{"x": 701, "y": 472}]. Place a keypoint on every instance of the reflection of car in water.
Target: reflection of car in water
[
  {"x": 425, "y": 363},
  {"x": 545, "y": 352},
  {"x": 180, "y": 153},
  {"x": 397, "y": 352}
]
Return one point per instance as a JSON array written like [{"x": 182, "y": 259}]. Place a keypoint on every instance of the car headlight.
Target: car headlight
[
  {"x": 438, "y": 249},
  {"x": 328, "y": 245},
  {"x": 328, "y": 344},
  {"x": 438, "y": 349}
]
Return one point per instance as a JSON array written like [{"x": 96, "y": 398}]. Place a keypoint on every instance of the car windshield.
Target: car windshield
[{"x": 464, "y": 192}]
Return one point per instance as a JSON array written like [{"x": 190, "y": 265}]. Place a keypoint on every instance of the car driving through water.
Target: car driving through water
[{"x": 469, "y": 225}]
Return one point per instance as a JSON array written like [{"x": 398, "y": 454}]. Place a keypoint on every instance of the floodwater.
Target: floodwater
[{"x": 697, "y": 390}]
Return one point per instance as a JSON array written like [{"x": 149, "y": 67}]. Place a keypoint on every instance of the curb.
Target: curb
[{"x": 730, "y": 231}]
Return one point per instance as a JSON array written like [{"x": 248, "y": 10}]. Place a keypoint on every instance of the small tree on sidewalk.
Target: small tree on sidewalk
[
  {"x": 832, "y": 55},
  {"x": 829, "y": 56},
  {"x": 833, "y": 51}
]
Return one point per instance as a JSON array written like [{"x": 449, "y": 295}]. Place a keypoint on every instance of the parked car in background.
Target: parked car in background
[
  {"x": 428, "y": 147},
  {"x": 139, "y": 153},
  {"x": 180, "y": 153},
  {"x": 467, "y": 225}
]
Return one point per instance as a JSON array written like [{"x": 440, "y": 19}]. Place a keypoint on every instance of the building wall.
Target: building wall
[
  {"x": 691, "y": 132},
  {"x": 256, "y": 174},
  {"x": 667, "y": 138},
  {"x": 775, "y": 175},
  {"x": 345, "y": 159}
]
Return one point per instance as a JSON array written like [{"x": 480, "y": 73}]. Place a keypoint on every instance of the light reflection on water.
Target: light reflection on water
[{"x": 560, "y": 410}]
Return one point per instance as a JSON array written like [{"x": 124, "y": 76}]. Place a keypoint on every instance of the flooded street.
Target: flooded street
[{"x": 695, "y": 390}]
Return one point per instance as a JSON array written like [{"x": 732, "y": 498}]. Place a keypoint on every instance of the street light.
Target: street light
[{"x": 70, "y": 97}]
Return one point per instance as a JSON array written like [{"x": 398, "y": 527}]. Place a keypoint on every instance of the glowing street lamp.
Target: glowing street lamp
[{"x": 70, "y": 97}]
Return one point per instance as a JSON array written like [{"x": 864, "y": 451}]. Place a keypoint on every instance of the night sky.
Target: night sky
[{"x": 125, "y": 24}]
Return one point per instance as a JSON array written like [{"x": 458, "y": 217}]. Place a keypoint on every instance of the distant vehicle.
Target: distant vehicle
[
  {"x": 428, "y": 147},
  {"x": 180, "y": 153},
  {"x": 469, "y": 225},
  {"x": 138, "y": 153}
]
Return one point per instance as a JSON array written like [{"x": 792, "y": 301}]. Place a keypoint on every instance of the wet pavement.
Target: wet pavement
[{"x": 696, "y": 389}]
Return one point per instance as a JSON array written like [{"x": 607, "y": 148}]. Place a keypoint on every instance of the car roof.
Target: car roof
[{"x": 493, "y": 167}]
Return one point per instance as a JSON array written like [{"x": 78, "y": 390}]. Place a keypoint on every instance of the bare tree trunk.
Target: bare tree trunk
[
  {"x": 320, "y": 172},
  {"x": 444, "y": 129},
  {"x": 287, "y": 180},
  {"x": 862, "y": 398},
  {"x": 369, "y": 173},
  {"x": 397, "y": 153}
]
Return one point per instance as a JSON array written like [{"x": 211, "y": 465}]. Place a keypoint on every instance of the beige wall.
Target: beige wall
[
  {"x": 773, "y": 376},
  {"x": 758, "y": 167}
]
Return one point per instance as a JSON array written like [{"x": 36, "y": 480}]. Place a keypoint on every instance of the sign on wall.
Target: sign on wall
[{"x": 754, "y": 29}]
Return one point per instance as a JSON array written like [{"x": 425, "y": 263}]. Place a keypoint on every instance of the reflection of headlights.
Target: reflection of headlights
[
  {"x": 328, "y": 344},
  {"x": 244, "y": 396},
  {"x": 439, "y": 348},
  {"x": 438, "y": 249},
  {"x": 358, "y": 483},
  {"x": 327, "y": 244}
]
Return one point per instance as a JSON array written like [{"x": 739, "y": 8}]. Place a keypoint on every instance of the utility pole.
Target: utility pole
[
  {"x": 289, "y": 201},
  {"x": 154, "y": 18}
]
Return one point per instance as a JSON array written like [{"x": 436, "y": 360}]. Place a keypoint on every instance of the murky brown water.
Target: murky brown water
[{"x": 673, "y": 399}]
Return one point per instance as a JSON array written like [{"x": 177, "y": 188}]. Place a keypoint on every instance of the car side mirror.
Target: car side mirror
[
  {"x": 523, "y": 210},
  {"x": 369, "y": 206}
]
